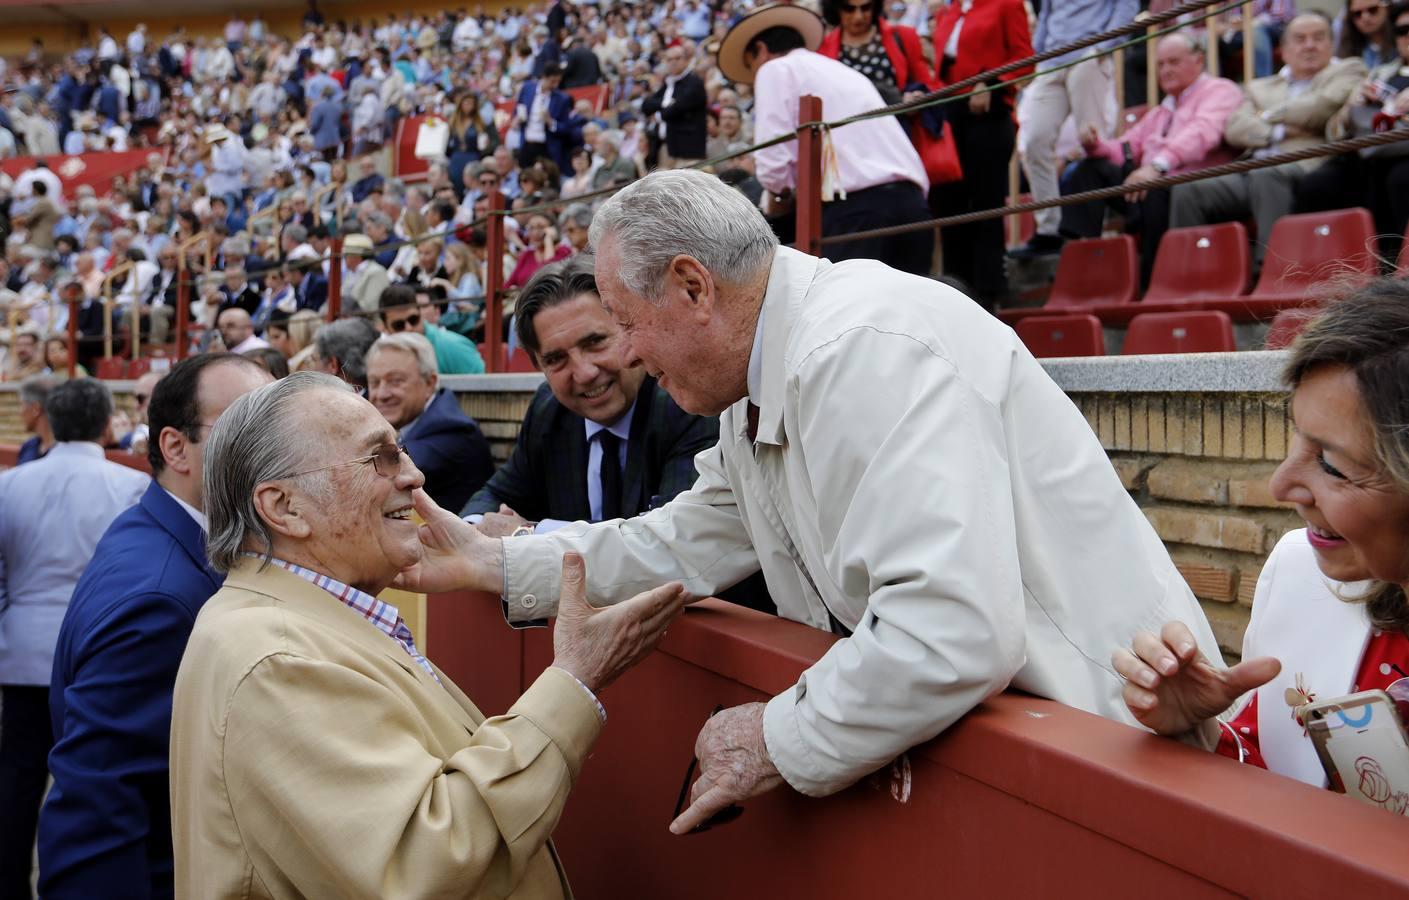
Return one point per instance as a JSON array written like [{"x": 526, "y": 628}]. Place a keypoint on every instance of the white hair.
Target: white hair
[
  {"x": 407, "y": 342},
  {"x": 683, "y": 212}
]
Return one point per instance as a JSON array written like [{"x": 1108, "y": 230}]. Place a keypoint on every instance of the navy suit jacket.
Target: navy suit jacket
[
  {"x": 448, "y": 448},
  {"x": 105, "y": 829},
  {"x": 562, "y": 131},
  {"x": 546, "y": 477}
]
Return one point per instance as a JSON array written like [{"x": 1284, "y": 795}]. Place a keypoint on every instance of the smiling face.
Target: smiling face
[
  {"x": 1357, "y": 518},
  {"x": 579, "y": 350},
  {"x": 396, "y": 386},
  {"x": 359, "y": 522}
]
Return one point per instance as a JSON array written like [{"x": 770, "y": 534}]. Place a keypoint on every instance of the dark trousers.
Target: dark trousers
[
  {"x": 530, "y": 154},
  {"x": 25, "y": 739},
  {"x": 1382, "y": 185},
  {"x": 896, "y": 203},
  {"x": 1149, "y": 218},
  {"x": 973, "y": 253}
]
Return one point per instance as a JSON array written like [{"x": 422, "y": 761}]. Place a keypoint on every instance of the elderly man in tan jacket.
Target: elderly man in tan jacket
[
  {"x": 1281, "y": 113},
  {"x": 314, "y": 751}
]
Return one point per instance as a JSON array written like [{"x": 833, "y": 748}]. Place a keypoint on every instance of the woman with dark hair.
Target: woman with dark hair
[
  {"x": 1329, "y": 615},
  {"x": 889, "y": 55},
  {"x": 471, "y": 139},
  {"x": 973, "y": 36},
  {"x": 1366, "y": 31}
]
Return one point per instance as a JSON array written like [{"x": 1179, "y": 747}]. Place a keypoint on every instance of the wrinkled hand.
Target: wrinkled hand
[
  {"x": 501, "y": 524},
  {"x": 1090, "y": 139},
  {"x": 597, "y": 645},
  {"x": 979, "y": 103},
  {"x": 1144, "y": 173},
  {"x": 734, "y": 765},
  {"x": 455, "y": 556},
  {"x": 1171, "y": 687}
]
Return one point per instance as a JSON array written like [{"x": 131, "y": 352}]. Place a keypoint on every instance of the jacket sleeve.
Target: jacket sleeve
[
  {"x": 1246, "y": 128},
  {"x": 1202, "y": 135},
  {"x": 944, "y": 626},
  {"x": 698, "y": 434},
  {"x": 514, "y": 483},
  {"x": 697, "y": 539},
  {"x": 775, "y": 167},
  {"x": 332, "y": 786},
  {"x": 1312, "y": 111},
  {"x": 651, "y": 104},
  {"x": 112, "y": 755},
  {"x": 688, "y": 100},
  {"x": 1017, "y": 36}
]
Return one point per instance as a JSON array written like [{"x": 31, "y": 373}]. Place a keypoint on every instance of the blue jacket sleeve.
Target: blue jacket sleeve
[{"x": 110, "y": 764}]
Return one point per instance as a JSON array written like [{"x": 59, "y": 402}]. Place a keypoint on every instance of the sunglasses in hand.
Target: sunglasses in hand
[{"x": 724, "y": 816}]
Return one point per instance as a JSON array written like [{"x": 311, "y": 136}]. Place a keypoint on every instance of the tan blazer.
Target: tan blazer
[
  {"x": 311, "y": 757},
  {"x": 1267, "y": 105}
]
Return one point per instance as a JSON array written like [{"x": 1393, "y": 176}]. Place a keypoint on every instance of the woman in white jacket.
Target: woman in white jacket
[{"x": 1330, "y": 616}]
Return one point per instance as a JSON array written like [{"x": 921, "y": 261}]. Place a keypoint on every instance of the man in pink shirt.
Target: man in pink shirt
[{"x": 1182, "y": 133}]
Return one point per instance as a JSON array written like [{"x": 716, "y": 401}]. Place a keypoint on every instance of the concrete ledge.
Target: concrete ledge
[
  {"x": 1252, "y": 372},
  {"x": 517, "y": 382}
]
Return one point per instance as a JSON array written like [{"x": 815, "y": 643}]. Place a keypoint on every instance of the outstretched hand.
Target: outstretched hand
[
  {"x": 455, "y": 556},
  {"x": 1171, "y": 687}
]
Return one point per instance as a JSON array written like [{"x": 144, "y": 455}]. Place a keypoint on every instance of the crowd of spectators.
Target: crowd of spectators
[{"x": 264, "y": 146}]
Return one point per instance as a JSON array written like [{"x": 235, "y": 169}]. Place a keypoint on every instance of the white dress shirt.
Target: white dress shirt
[
  {"x": 869, "y": 153},
  {"x": 622, "y": 429},
  {"x": 52, "y": 513}
]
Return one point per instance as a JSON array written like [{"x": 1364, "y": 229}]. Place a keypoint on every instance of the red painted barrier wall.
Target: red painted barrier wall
[
  {"x": 96, "y": 170},
  {"x": 1023, "y": 798}
]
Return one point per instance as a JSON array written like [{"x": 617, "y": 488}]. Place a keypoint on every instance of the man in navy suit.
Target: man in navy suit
[
  {"x": 444, "y": 443},
  {"x": 105, "y": 829},
  {"x": 545, "y": 122}
]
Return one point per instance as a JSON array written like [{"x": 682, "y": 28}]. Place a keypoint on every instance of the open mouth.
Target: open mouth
[
  {"x": 1321, "y": 537},
  {"x": 596, "y": 392},
  {"x": 401, "y": 515}
]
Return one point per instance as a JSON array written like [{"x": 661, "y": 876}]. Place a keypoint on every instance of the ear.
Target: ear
[
  {"x": 284, "y": 512},
  {"x": 696, "y": 284},
  {"x": 175, "y": 450},
  {"x": 434, "y": 382}
]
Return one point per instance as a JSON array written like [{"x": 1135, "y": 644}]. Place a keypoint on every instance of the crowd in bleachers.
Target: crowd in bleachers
[{"x": 265, "y": 146}]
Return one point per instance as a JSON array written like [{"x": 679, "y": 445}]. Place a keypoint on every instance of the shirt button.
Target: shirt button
[{"x": 529, "y": 601}]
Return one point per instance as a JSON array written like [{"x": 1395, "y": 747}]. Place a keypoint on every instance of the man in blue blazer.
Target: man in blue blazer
[
  {"x": 544, "y": 119},
  {"x": 105, "y": 829},
  {"x": 444, "y": 443}
]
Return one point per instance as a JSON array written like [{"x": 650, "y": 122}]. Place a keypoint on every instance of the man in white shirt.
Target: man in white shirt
[
  {"x": 881, "y": 179},
  {"x": 52, "y": 513},
  {"x": 899, "y": 467},
  {"x": 237, "y": 331}
]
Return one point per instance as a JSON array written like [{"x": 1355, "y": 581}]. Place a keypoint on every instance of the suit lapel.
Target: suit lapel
[
  {"x": 576, "y": 486},
  {"x": 634, "y": 476},
  {"x": 167, "y": 513}
]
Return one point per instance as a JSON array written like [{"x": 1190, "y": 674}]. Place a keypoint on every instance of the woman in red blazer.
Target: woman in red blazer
[
  {"x": 970, "y": 37},
  {"x": 890, "y": 55}
]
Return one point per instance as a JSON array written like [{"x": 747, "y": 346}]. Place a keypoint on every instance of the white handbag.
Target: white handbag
[{"x": 432, "y": 138}]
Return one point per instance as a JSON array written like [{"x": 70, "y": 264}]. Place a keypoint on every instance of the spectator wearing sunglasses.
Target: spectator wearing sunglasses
[
  {"x": 455, "y": 354},
  {"x": 1365, "y": 31},
  {"x": 403, "y": 383}
]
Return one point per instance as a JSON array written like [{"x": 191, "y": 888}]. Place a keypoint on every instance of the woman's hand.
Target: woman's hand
[
  {"x": 1171, "y": 687},
  {"x": 980, "y": 102}
]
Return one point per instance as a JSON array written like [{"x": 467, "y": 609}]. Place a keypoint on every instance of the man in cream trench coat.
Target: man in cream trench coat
[{"x": 917, "y": 483}]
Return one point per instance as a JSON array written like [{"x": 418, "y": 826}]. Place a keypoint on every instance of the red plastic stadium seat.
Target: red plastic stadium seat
[
  {"x": 139, "y": 367},
  {"x": 1285, "y": 327},
  {"x": 1077, "y": 334},
  {"x": 1200, "y": 263},
  {"x": 1180, "y": 332},
  {"x": 111, "y": 368},
  {"x": 519, "y": 362},
  {"x": 1312, "y": 253},
  {"x": 1096, "y": 272}
]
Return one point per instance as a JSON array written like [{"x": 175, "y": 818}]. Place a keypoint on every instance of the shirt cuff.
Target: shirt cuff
[
  {"x": 547, "y": 526},
  {"x": 601, "y": 710},
  {"x": 786, "y": 747},
  {"x": 474, "y": 518},
  {"x": 1279, "y": 134},
  {"x": 1162, "y": 163}
]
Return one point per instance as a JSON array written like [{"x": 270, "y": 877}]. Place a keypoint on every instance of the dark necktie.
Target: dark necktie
[
  {"x": 611, "y": 474},
  {"x": 753, "y": 422}
]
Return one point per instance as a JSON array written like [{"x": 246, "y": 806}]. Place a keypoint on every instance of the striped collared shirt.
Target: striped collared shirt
[{"x": 380, "y": 613}]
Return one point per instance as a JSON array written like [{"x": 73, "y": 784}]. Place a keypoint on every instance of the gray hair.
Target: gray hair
[
  {"x": 259, "y": 438},
  {"x": 611, "y": 136},
  {"x": 407, "y": 342},
  {"x": 683, "y": 212},
  {"x": 580, "y": 213},
  {"x": 36, "y": 388},
  {"x": 346, "y": 341}
]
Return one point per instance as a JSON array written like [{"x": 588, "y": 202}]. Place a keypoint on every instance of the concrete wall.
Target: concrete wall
[{"x": 1194, "y": 439}]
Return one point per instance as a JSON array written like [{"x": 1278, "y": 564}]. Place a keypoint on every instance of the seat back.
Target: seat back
[
  {"x": 111, "y": 368},
  {"x": 1077, "y": 334},
  {"x": 1200, "y": 263},
  {"x": 1308, "y": 251},
  {"x": 1096, "y": 272},
  {"x": 1180, "y": 332},
  {"x": 1285, "y": 327}
]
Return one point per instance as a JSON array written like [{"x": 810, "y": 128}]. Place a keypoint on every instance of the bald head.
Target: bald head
[
  {"x": 1179, "y": 61},
  {"x": 235, "y": 326},
  {"x": 1306, "y": 45}
]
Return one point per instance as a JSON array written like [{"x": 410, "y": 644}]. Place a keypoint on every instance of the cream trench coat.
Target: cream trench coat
[{"x": 920, "y": 478}]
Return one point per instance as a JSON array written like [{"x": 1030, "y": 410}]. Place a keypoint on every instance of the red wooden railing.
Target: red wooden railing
[{"x": 1023, "y": 798}]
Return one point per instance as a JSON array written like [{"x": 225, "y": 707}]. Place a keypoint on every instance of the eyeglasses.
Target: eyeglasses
[
  {"x": 386, "y": 461},
  {"x": 410, "y": 321},
  {"x": 723, "y": 817},
  {"x": 856, "y": 8}
]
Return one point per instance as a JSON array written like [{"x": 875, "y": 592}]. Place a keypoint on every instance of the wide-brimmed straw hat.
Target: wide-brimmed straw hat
[{"x": 731, "y": 49}]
